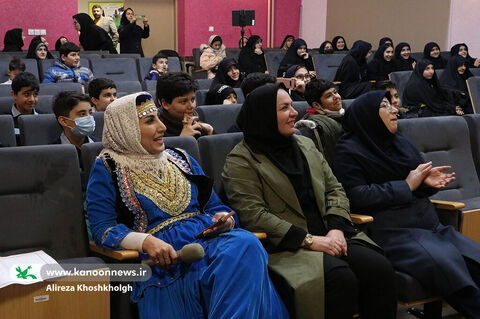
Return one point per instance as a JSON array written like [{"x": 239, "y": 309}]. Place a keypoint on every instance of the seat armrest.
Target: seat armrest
[
  {"x": 447, "y": 205},
  {"x": 120, "y": 254},
  {"x": 260, "y": 236},
  {"x": 361, "y": 219}
]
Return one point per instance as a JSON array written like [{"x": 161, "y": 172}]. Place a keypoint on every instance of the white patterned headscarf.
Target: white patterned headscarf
[{"x": 121, "y": 134}]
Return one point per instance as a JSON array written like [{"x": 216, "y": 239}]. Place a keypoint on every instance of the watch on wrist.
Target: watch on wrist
[{"x": 308, "y": 241}]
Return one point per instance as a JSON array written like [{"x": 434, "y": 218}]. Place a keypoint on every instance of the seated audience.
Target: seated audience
[
  {"x": 67, "y": 67},
  {"x": 432, "y": 53},
  {"x": 352, "y": 72},
  {"x": 131, "y": 34},
  {"x": 106, "y": 23},
  {"x": 339, "y": 43},
  {"x": 384, "y": 174},
  {"x": 403, "y": 111},
  {"x": 287, "y": 42},
  {"x": 325, "y": 109},
  {"x": 15, "y": 66},
  {"x": 176, "y": 95},
  {"x": 454, "y": 82},
  {"x": 228, "y": 73},
  {"x": 424, "y": 95},
  {"x": 280, "y": 184},
  {"x": 13, "y": 40},
  {"x": 38, "y": 50},
  {"x": 25, "y": 89},
  {"x": 382, "y": 63},
  {"x": 254, "y": 80},
  {"x": 252, "y": 57},
  {"x": 212, "y": 54},
  {"x": 59, "y": 42},
  {"x": 384, "y": 40},
  {"x": 159, "y": 67},
  {"x": 221, "y": 94},
  {"x": 102, "y": 92},
  {"x": 402, "y": 59},
  {"x": 326, "y": 47},
  {"x": 167, "y": 202},
  {"x": 462, "y": 49},
  {"x": 297, "y": 54},
  {"x": 92, "y": 37},
  {"x": 302, "y": 78}
]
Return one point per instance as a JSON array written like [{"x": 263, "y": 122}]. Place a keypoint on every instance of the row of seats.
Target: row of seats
[{"x": 122, "y": 67}]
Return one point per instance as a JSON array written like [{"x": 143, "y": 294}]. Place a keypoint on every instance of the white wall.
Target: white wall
[
  {"x": 313, "y": 22},
  {"x": 464, "y": 24}
]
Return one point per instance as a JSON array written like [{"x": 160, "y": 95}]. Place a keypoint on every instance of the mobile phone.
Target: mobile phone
[
  {"x": 140, "y": 16},
  {"x": 222, "y": 220},
  {"x": 288, "y": 82}
]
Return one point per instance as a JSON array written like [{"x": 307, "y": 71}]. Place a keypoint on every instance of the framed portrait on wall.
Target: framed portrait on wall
[{"x": 113, "y": 9}]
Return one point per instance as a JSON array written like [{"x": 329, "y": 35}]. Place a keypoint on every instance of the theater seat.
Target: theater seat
[
  {"x": 129, "y": 87},
  {"x": 301, "y": 108},
  {"x": 273, "y": 60},
  {"x": 400, "y": 78},
  {"x": 7, "y": 132},
  {"x": 201, "y": 96},
  {"x": 326, "y": 65},
  {"x": 473, "y": 85},
  {"x": 220, "y": 117},
  {"x": 45, "y": 104},
  {"x": 54, "y": 88},
  {"x": 204, "y": 84},
  {"x": 240, "y": 97},
  {"x": 6, "y": 103},
  {"x": 116, "y": 69},
  {"x": 473, "y": 122}
]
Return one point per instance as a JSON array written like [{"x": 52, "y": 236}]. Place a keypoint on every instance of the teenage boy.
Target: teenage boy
[
  {"x": 102, "y": 92},
  {"x": 67, "y": 67},
  {"x": 159, "y": 67},
  {"x": 14, "y": 67},
  {"x": 176, "y": 95},
  {"x": 25, "y": 89}
]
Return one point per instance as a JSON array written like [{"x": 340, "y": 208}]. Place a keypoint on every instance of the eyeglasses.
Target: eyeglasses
[
  {"x": 389, "y": 107},
  {"x": 302, "y": 77}
]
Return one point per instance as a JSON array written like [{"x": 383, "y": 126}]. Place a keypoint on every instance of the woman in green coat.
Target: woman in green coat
[{"x": 280, "y": 184}]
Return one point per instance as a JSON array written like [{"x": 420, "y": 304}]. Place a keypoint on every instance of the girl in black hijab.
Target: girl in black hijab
[
  {"x": 272, "y": 159},
  {"x": 352, "y": 72},
  {"x": 402, "y": 59},
  {"x": 384, "y": 174},
  {"x": 424, "y": 95},
  {"x": 228, "y": 73},
  {"x": 59, "y": 42},
  {"x": 382, "y": 64},
  {"x": 462, "y": 49},
  {"x": 432, "y": 52},
  {"x": 342, "y": 46},
  {"x": 453, "y": 81},
  {"x": 92, "y": 37},
  {"x": 252, "y": 58},
  {"x": 302, "y": 78},
  {"x": 297, "y": 54},
  {"x": 13, "y": 40},
  {"x": 221, "y": 94},
  {"x": 38, "y": 50},
  {"x": 384, "y": 40},
  {"x": 326, "y": 47},
  {"x": 287, "y": 42},
  {"x": 131, "y": 34}
]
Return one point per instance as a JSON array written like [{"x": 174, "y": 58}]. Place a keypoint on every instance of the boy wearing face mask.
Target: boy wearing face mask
[{"x": 74, "y": 114}]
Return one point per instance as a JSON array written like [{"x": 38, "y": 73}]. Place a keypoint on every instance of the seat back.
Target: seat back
[
  {"x": 30, "y": 66},
  {"x": 233, "y": 53},
  {"x": 45, "y": 104},
  {"x": 5, "y": 90},
  {"x": 475, "y": 71},
  {"x": 120, "y": 56},
  {"x": 6, "y": 103},
  {"x": 41, "y": 202},
  {"x": 174, "y": 64},
  {"x": 54, "y": 88},
  {"x": 346, "y": 103},
  {"x": 473, "y": 122},
  {"x": 129, "y": 87},
  {"x": 301, "y": 108},
  {"x": 196, "y": 57},
  {"x": 240, "y": 97},
  {"x": 116, "y": 69},
  {"x": 473, "y": 85},
  {"x": 273, "y": 61},
  {"x": 400, "y": 78},
  {"x": 7, "y": 131},
  {"x": 445, "y": 141},
  {"x": 220, "y": 117},
  {"x": 201, "y": 96},
  {"x": 327, "y": 64},
  {"x": 214, "y": 150},
  {"x": 204, "y": 84}
]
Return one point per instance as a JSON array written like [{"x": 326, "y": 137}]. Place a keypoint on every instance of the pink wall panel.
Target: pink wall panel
[
  {"x": 195, "y": 16},
  {"x": 53, "y": 15}
]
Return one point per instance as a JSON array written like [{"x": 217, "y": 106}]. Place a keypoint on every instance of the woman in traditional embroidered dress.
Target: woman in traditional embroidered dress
[{"x": 141, "y": 196}]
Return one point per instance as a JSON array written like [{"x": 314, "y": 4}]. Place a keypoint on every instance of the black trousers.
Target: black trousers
[{"x": 362, "y": 281}]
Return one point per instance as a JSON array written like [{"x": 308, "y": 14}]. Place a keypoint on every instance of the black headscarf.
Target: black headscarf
[
  {"x": 35, "y": 44},
  {"x": 359, "y": 51},
  {"x": 384, "y": 155},
  {"x": 379, "y": 68},
  {"x": 291, "y": 58},
  {"x": 218, "y": 93},
  {"x": 93, "y": 37},
  {"x": 420, "y": 91},
  {"x": 438, "y": 63},
  {"x": 450, "y": 76},
  {"x": 285, "y": 40},
  {"x": 13, "y": 42},
  {"x": 455, "y": 51},
  {"x": 248, "y": 60},
  {"x": 221, "y": 77},
  {"x": 321, "y": 49},
  {"x": 402, "y": 64},
  {"x": 383, "y": 41},
  {"x": 295, "y": 95},
  {"x": 334, "y": 42},
  {"x": 123, "y": 20},
  {"x": 58, "y": 43}
]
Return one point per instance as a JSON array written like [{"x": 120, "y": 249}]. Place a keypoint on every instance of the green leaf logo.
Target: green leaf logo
[{"x": 23, "y": 274}]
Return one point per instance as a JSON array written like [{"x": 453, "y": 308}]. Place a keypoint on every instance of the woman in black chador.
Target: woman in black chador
[
  {"x": 402, "y": 59},
  {"x": 92, "y": 37},
  {"x": 297, "y": 54},
  {"x": 252, "y": 58},
  {"x": 454, "y": 82}
]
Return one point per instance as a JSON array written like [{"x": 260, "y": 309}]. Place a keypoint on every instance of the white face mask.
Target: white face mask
[{"x": 84, "y": 126}]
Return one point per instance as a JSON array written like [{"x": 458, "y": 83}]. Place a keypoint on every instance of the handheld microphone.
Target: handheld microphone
[{"x": 189, "y": 253}]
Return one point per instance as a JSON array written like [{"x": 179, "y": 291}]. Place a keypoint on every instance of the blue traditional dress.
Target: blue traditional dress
[{"x": 231, "y": 281}]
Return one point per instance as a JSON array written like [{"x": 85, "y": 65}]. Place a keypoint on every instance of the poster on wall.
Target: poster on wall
[{"x": 113, "y": 9}]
